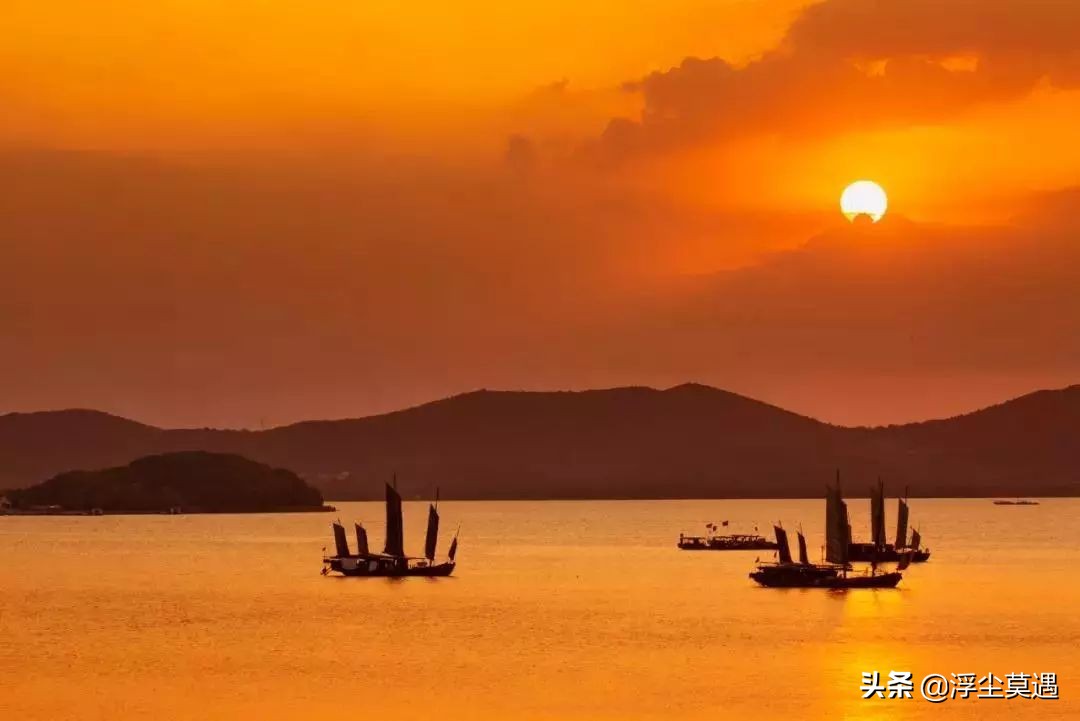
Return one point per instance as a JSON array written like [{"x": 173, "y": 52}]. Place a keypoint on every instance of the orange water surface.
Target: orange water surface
[{"x": 558, "y": 610}]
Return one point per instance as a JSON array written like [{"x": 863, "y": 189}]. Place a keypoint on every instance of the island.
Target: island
[{"x": 183, "y": 482}]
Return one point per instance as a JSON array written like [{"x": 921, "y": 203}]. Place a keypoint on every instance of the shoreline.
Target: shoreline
[
  {"x": 567, "y": 499},
  {"x": 192, "y": 512},
  {"x": 329, "y": 508}
]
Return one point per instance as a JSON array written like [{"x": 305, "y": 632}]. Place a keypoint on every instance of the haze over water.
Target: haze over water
[{"x": 558, "y": 610}]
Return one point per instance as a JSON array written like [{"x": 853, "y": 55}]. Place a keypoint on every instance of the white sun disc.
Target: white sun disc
[{"x": 864, "y": 197}]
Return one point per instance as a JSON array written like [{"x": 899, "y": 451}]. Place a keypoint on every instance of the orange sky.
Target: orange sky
[{"x": 255, "y": 212}]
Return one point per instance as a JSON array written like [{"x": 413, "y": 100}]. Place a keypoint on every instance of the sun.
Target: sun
[{"x": 864, "y": 197}]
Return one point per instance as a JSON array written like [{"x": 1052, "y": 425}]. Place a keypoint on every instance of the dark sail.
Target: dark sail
[
  {"x": 916, "y": 539},
  {"x": 901, "y": 524},
  {"x": 453, "y": 549},
  {"x": 905, "y": 560},
  {"x": 395, "y": 532},
  {"x": 804, "y": 559},
  {"x": 432, "y": 533},
  {"x": 838, "y": 530},
  {"x": 835, "y": 536},
  {"x": 340, "y": 542},
  {"x": 877, "y": 514},
  {"x": 361, "y": 541},
  {"x": 783, "y": 551}
]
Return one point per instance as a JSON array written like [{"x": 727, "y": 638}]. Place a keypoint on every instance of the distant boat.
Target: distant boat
[
  {"x": 835, "y": 574},
  {"x": 878, "y": 550},
  {"x": 392, "y": 561},
  {"x": 711, "y": 541},
  {"x": 1017, "y": 502}
]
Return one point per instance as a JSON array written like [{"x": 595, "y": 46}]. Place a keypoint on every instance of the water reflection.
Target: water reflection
[{"x": 558, "y": 611}]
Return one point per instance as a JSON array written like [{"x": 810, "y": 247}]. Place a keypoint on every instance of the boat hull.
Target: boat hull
[
  {"x": 826, "y": 578},
  {"x": 369, "y": 568},
  {"x": 868, "y": 553},
  {"x": 720, "y": 543},
  {"x": 793, "y": 575},
  {"x": 879, "y": 580}
]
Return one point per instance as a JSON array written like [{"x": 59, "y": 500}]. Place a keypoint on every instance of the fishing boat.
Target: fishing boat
[
  {"x": 878, "y": 550},
  {"x": 1017, "y": 502},
  {"x": 836, "y": 572},
  {"x": 392, "y": 561},
  {"x": 785, "y": 572},
  {"x": 712, "y": 541}
]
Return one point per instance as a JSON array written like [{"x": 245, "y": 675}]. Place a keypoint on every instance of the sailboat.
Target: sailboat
[
  {"x": 838, "y": 544},
  {"x": 835, "y": 573},
  {"x": 878, "y": 550},
  {"x": 392, "y": 561},
  {"x": 916, "y": 541},
  {"x": 786, "y": 572}
]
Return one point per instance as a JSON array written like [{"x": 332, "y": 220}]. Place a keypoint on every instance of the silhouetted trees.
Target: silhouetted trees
[{"x": 191, "y": 480}]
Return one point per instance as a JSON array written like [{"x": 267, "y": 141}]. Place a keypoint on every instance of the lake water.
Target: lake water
[{"x": 558, "y": 610}]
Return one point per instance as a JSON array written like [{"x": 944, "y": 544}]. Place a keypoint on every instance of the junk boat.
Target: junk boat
[
  {"x": 392, "y": 561},
  {"x": 835, "y": 573},
  {"x": 878, "y": 550},
  {"x": 785, "y": 572},
  {"x": 711, "y": 541},
  {"x": 1017, "y": 502}
]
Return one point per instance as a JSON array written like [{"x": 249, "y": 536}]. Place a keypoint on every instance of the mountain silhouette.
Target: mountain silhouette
[{"x": 690, "y": 441}]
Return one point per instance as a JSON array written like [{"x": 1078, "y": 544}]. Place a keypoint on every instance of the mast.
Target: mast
[
  {"x": 341, "y": 543},
  {"x": 395, "y": 531},
  {"x": 916, "y": 539},
  {"x": 783, "y": 550},
  {"x": 804, "y": 559},
  {"x": 835, "y": 548},
  {"x": 901, "y": 523},
  {"x": 361, "y": 541},
  {"x": 877, "y": 514},
  {"x": 431, "y": 540},
  {"x": 845, "y": 528},
  {"x": 833, "y": 553}
]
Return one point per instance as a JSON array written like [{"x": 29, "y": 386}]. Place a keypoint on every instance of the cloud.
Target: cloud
[
  {"x": 897, "y": 321},
  {"x": 937, "y": 28},
  {"x": 896, "y": 297},
  {"x": 853, "y": 65},
  {"x": 173, "y": 282},
  {"x": 193, "y": 294},
  {"x": 357, "y": 281},
  {"x": 520, "y": 155}
]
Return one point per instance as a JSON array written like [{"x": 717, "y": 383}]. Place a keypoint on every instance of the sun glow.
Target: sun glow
[{"x": 864, "y": 197}]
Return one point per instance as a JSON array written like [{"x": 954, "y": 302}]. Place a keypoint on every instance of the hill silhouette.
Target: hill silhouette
[
  {"x": 194, "y": 481},
  {"x": 689, "y": 441}
]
